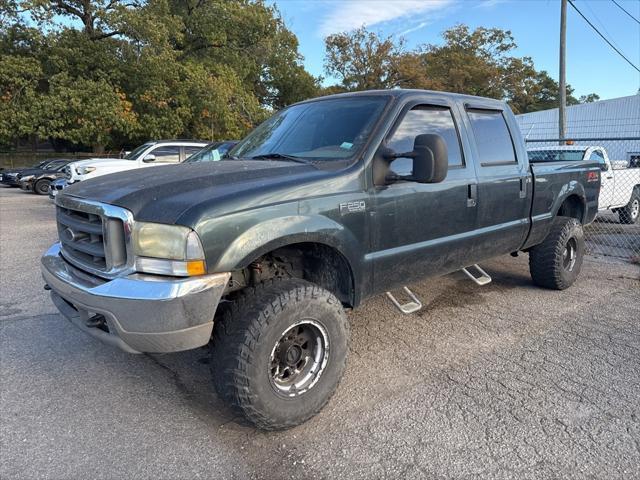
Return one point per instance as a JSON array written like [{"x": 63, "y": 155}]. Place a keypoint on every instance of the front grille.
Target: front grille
[
  {"x": 67, "y": 172},
  {"x": 94, "y": 237},
  {"x": 82, "y": 237}
]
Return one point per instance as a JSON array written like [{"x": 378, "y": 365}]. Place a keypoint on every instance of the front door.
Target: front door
[
  {"x": 422, "y": 229},
  {"x": 607, "y": 181}
]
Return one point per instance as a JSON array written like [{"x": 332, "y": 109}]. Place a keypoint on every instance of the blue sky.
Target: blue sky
[{"x": 592, "y": 66}]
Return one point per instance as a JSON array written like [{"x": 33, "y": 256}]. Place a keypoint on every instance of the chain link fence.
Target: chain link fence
[{"x": 616, "y": 230}]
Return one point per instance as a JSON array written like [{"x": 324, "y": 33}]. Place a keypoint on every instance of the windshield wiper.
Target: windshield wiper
[{"x": 282, "y": 156}]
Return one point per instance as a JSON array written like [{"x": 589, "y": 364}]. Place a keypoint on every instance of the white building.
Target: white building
[{"x": 597, "y": 123}]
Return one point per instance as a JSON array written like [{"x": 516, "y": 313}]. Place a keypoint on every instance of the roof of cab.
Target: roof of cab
[{"x": 404, "y": 92}]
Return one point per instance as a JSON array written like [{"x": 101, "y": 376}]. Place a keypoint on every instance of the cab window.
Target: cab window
[
  {"x": 492, "y": 137},
  {"x": 420, "y": 120}
]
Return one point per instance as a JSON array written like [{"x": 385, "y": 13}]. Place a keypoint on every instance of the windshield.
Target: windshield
[
  {"x": 317, "y": 131},
  {"x": 135, "y": 153},
  {"x": 556, "y": 155},
  {"x": 210, "y": 153}
]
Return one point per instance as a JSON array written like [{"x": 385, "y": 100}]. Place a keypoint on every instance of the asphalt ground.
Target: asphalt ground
[{"x": 502, "y": 381}]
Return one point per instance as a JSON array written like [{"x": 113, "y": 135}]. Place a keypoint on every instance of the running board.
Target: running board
[
  {"x": 482, "y": 279},
  {"x": 409, "y": 307}
]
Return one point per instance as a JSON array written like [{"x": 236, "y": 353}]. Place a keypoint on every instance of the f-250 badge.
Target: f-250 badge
[{"x": 352, "y": 207}]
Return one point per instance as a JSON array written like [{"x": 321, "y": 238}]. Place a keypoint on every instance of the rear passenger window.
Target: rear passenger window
[
  {"x": 492, "y": 137},
  {"x": 420, "y": 120}
]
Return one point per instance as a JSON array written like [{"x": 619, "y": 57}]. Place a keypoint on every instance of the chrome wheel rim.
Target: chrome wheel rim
[
  {"x": 299, "y": 358},
  {"x": 570, "y": 254}
]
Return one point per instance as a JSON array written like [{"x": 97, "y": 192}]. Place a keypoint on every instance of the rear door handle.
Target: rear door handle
[
  {"x": 523, "y": 188},
  {"x": 472, "y": 195}
]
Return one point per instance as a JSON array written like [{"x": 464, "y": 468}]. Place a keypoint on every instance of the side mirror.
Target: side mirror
[
  {"x": 149, "y": 158},
  {"x": 430, "y": 158},
  {"x": 604, "y": 166}
]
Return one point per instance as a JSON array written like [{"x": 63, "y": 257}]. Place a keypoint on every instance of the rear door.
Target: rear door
[{"x": 504, "y": 190}]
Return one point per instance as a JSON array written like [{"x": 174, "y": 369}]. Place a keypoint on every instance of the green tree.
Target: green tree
[{"x": 361, "y": 60}]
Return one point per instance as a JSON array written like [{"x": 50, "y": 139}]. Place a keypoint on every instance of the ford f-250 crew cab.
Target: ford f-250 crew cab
[{"x": 328, "y": 202}]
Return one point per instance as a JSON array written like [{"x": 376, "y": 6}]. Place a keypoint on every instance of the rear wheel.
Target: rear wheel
[
  {"x": 279, "y": 352},
  {"x": 631, "y": 212},
  {"x": 557, "y": 261},
  {"x": 42, "y": 187}
]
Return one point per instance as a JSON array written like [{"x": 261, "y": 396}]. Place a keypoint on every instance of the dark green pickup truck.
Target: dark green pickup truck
[{"x": 328, "y": 202}]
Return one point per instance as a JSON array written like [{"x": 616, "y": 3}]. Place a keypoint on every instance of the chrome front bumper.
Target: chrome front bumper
[{"x": 138, "y": 313}]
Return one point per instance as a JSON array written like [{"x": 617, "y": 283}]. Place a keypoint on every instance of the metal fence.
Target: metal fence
[{"x": 616, "y": 230}]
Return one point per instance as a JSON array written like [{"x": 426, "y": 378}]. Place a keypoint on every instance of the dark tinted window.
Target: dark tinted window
[
  {"x": 555, "y": 155},
  {"x": 492, "y": 137},
  {"x": 318, "y": 131},
  {"x": 419, "y": 120}
]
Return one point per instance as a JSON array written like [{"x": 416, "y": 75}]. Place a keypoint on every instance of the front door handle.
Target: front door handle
[{"x": 472, "y": 195}]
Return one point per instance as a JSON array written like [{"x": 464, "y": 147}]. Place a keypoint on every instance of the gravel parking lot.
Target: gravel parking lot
[{"x": 502, "y": 381}]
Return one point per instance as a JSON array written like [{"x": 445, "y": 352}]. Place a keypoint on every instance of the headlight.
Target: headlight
[
  {"x": 85, "y": 170},
  {"x": 26, "y": 178},
  {"x": 167, "y": 250}
]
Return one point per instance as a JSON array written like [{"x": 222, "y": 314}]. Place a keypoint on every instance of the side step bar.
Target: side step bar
[
  {"x": 415, "y": 304},
  {"x": 409, "y": 307},
  {"x": 481, "y": 279}
]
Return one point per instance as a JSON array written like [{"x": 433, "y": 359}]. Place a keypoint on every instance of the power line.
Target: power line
[
  {"x": 622, "y": 8},
  {"x": 602, "y": 36}
]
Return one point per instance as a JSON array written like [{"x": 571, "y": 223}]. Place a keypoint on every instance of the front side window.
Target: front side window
[
  {"x": 166, "y": 154},
  {"x": 318, "y": 132},
  {"x": 189, "y": 151},
  {"x": 597, "y": 156},
  {"x": 492, "y": 137},
  {"x": 133, "y": 155},
  {"x": 420, "y": 120}
]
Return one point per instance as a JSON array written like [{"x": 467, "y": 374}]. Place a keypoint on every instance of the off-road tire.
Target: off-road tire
[
  {"x": 243, "y": 341},
  {"x": 41, "y": 187},
  {"x": 547, "y": 260},
  {"x": 630, "y": 213}
]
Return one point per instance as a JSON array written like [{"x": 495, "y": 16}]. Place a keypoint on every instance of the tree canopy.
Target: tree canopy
[
  {"x": 105, "y": 72},
  {"x": 112, "y": 73},
  {"x": 475, "y": 62}
]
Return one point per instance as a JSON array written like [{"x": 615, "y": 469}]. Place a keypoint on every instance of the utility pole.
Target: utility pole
[{"x": 562, "y": 113}]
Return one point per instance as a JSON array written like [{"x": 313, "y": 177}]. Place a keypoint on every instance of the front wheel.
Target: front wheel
[
  {"x": 556, "y": 262},
  {"x": 279, "y": 352},
  {"x": 631, "y": 212},
  {"x": 42, "y": 187}
]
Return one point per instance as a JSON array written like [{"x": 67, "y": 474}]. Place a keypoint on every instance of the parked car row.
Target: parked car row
[{"x": 53, "y": 175}]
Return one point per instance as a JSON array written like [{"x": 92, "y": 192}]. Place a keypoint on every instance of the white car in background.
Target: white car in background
[
  {"x": 620, "y": 180},
  {"x": 150, "y": 154}
]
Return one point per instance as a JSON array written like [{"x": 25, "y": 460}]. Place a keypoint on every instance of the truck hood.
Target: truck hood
[{"x": 163, "y": 195}]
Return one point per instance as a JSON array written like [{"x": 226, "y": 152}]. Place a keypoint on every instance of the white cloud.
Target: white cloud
[
  {"x": 413, "y": 29},
  {"x": 490, "y": 3},
  {"x": 351, "y": 14}
]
